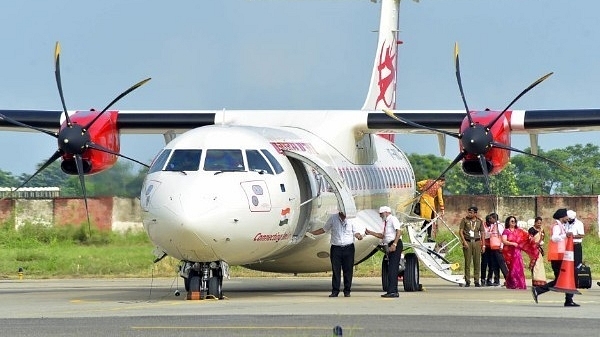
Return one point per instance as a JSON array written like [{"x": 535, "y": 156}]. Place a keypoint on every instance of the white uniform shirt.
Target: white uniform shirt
[
  {"x": 576, "y": 228},
  {"x": 391, "y": 224},
  {"x": 342, "y": 233}
]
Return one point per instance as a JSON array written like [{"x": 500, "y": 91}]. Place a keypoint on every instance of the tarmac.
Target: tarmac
[{"x": 285, "y": 306}]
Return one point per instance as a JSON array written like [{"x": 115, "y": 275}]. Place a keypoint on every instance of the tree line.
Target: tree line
[
  {"x": 578, "y": 173},
  {"x": 122, "y": 180}
]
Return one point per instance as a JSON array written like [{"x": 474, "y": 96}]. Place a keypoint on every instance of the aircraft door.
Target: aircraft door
[{"x": 341, "y": 190}]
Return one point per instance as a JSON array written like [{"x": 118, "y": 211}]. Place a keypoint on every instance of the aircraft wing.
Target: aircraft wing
[
  {"x": 521, "y": 121},
  {"x": 161, "y": 121},
  {"x": 128, "y": 122}
]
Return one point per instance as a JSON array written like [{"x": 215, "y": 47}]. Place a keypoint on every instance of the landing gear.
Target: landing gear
[
  {"x": 203, "y": 279},
  {"x": 409, "y": 271}
]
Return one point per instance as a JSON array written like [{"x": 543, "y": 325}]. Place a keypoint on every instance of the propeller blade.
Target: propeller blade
[
  {"x": 531, "y": 86},
  {"x": 459, "y": 81},
  {"x": 50, "y": 160},
  {"x": 485, "y": 171},
  {"x": 59, "y": 82},
  {"x": 79, "y": 164},
  {"x": 510, "y": 148},
  {"x": 123, "y": 94},
  {"x": 15, "y": 122},
  {"x": 103, "y": 149},
  {"x": 419, "y": 126}
]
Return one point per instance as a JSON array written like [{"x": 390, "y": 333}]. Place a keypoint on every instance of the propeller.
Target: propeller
[
  {"x": 74, "y": 139},
  {"x": 476, "y": 140}
]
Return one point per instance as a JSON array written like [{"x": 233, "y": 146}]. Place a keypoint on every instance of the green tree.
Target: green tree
[{"x": 7, "y": 179}]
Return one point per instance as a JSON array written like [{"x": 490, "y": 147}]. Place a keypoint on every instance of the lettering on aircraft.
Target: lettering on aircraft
[
  {"x": 387, "y": 74},
  {"x": 293, "y": 146},
  {"x": 285, "y": 214},
  {"x": 393, "y": 152},
  {"x": 271, "y": 237}
]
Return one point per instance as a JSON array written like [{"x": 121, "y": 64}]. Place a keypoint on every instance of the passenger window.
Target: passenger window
[
  {"x": 276, "y": 166},
  {"x": 224, "y": 160},
  {"x": 256, "y": 162},
  {"x": 184, "y": 160},
  {"x": 159, "y": 162}
]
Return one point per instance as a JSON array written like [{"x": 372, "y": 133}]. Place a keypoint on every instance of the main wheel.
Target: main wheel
[
  {"x": 384, "y": 273},
  {"x": 411, "y": 273},
  {"x": 215, "y": 287}
]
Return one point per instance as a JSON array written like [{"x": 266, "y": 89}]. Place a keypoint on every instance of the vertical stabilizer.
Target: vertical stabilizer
[{"x": 382, "y": 88}]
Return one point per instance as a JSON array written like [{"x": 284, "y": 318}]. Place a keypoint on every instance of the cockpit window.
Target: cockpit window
[
  {"x": 276, "y": 166},
  {"x": 159, "y": 161},
  {"x": 184, "y": 160},
  {"x": 256, "y": 162},
  {"x": 224, "y": 160}
]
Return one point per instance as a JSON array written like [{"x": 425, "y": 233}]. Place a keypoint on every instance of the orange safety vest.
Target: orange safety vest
[{"x": 556, "y": 250}]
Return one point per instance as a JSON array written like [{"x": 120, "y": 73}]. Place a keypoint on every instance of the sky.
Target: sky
[{"x": 291, "y": 54}]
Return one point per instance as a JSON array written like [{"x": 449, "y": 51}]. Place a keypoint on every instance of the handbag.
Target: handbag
[{"x": 495, "y": 241}]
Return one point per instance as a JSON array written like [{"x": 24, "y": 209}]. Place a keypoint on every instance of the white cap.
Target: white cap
[
  {"x": 384, "y": 209},
  {"x": 571, "y": 214}
]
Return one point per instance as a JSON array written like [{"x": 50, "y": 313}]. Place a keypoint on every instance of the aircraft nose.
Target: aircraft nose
[{"x": 190, "y": 221}]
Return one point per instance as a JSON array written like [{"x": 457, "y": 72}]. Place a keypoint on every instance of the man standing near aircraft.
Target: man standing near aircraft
[
  {"x": 391, "y": 239},
  {"x": 341, "y": 252}
]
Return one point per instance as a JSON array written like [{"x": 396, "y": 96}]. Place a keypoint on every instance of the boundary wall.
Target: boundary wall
[{"x": 121, "y": 214}]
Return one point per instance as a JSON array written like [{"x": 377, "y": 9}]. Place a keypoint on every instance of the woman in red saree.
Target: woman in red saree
[{"x": 516, "y": 240}]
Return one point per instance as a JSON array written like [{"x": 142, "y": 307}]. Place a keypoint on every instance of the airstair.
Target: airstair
[{"x": 432, "y": 254}]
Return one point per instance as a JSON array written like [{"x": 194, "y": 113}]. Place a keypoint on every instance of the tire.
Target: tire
[
  {"x": 194, "y": 283},
  {"x": 186, "y": 283},
  {"x": 215, "y": 286},
  {"x": 384, "y": 272},
  {"x": 411, "y": 273}
]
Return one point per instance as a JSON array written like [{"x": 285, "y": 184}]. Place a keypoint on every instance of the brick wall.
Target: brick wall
[{"x": 120, "y": 214}]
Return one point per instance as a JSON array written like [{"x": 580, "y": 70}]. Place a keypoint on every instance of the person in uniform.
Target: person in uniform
[{"x": 471, "y": 231}]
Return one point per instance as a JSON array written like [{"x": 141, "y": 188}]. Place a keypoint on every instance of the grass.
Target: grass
[{"x": 71, "y": 252}]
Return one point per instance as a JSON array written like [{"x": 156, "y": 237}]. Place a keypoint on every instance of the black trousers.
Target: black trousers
[
  {"x": 394, "y": 268},
  {"x": 342, "y": 260},
  {"x": 577, "y": 257},
  {"x": 431, "y": 215},
  {"x": 496, "y": 259},
  {"x": 556, "y": 269}
]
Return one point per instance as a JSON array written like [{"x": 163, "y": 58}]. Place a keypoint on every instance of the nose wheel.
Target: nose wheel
[{"x": 204, "y": 283}]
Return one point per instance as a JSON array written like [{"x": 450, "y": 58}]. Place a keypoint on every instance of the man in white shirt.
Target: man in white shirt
[
  {"x": 341, "y": 252},
  {"x": 391, "y": 238},
  {"x": 575, "y": 226}
]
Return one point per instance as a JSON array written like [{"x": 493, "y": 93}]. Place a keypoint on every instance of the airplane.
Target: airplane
[{"x": 244, "y": 187}]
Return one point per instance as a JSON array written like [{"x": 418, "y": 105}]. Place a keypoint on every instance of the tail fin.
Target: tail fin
[{"x": 382, "y": 89}]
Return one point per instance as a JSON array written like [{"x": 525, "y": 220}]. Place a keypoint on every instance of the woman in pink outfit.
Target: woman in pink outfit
[{"x": 516, "y": 240}]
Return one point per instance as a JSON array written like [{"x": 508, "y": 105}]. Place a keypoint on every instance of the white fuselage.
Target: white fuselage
[{"x": 256, "y": 213}]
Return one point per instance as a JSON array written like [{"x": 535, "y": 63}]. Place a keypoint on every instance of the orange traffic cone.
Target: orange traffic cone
[{"x": 566, "y": 279}]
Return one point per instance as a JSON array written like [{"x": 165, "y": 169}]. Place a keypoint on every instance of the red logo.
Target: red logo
[{"x": 387, "y": 74}]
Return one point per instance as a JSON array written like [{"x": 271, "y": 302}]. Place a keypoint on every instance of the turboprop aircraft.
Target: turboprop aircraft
[{"x": 244, "y": 187}]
